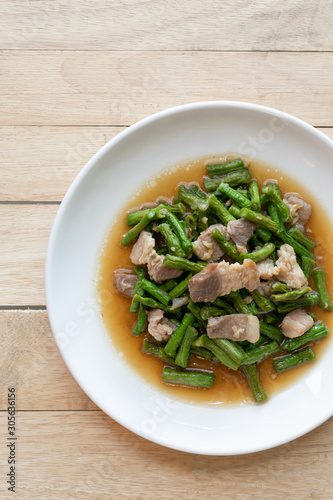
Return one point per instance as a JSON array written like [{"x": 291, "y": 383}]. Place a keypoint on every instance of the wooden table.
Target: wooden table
[{"x": 73, "y": 74}]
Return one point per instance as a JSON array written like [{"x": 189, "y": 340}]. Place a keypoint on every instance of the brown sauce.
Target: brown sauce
[{"x": 230, "y": 387}]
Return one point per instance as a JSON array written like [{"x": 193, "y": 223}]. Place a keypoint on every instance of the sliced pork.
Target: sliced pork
[
  {"x": 286, "y": 268},
  {"x": 234, "y": 327},
  {"x": 125, "y": 281},
  {"x": 300, "y": 210},
  {"x": 143, "y": 252},
  {"x": 222, "y": 278},
  {"x": 289, "y": 271},
  {"x": 159, "y": 327},
  {"x": 240, "y": 231},
  {"x": 296, "y": 323},
  {"x": 206, "y": 248}
]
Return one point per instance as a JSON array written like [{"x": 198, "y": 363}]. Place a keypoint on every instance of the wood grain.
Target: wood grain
[
  {"x": 56, "y": 155},
  {"x": 86, "y": 455},
  {"x": 118, "y": 88},
  {"x": 24, "y": 233},
  {"x": 30, "y": 362},
  {"x": 155, "y": 25}
]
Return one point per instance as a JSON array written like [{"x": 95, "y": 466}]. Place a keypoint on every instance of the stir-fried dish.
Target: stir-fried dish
[{"x": 223, "y": 273}]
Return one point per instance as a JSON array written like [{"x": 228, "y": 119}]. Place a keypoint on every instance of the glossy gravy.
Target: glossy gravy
[{"x": 230, "y": 387}]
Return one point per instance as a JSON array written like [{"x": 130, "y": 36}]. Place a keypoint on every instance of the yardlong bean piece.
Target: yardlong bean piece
[
  {"x": 259, "y": 219},
  {"x": 211, "y": 311},
  {"x": 233, "y": 350},
  {"x": 260, "y": 254},
  {"x": 262, "y": 302},
  {"x": 275, "y": 216},
  {"x": 155, "y": 291},
  {"x": 140, "y": 325},
  {"x": 299, "y": 249},
  {"x": 223, "y": 304},
  {"x": 301, "y": 238},
  {"x": 291, "y": 295},
  {"x": 314, "y": 333},
  {"x": 172, "y": 241},
  {"x": 189, "y": 378},
  {"x": 324, "y": 299},
  {"x": 219, "y": 210},
  {"x": 260, "y": 353},
  {"x": 136, "y": 230},
  {"x": 254, "y": 195},
  {"x": 224, "y": 358},
  {"x": 294, "y": 359},
  {"x": 180, "y": 232},
  {"x": 238, "y": 302},
  {"x": 177, "y": 336},
  {"x": 168, "y": 285},
  {"x": 237, "y": 178},
  {"x": 310, "y": 299},
  {"x": 273, "y": 193},
  {"x": 158, "y": 351},
  {"x": 180, "y": 288},
  {"x": 181, "y": 263},
  {"x": 183, "y": 354},
  {"x": 251, "y": 373},
  {"x": 307, "y": 266},
  {"x": 226, "y": 245},
  {"x": 135, "y": 217},
  {"x": 191, "y": 199},
  {"x": 141, "y": 273},
  {"x": 236, "y": 196},
  {"x": 215, "y": 169},
  {"x": 146, "y": 301},
  {"x": 270, "y": 331}
]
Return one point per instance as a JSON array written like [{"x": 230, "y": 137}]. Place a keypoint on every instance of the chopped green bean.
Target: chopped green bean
[
  {"x": 181, "y": 263},
  {"x": 155, "y": 291},
  {"x": 224, "y": 358},
  {"x": 315, "y": 332},
  {"x": 290, "y": 295},
  {"x": 191, "y": 199},
  {"x": 223, "y": 304},
  {"x": 270, "y": 331},
  {"x": 159, "y": 352},
  {"x": 260, "y": 353},
  {"x": 183, "y": 354},
  {"x": 211, "y": 311},
  {"x": 134, "y": 217},
  {"x": 324, "y": 299},
  {"x": 238, "y": 302},
  {"x": 251, "y": 373},
  {"x": 262, "y": 302},
  {"x": 299, "y": 249},
  {"x": 307, "y": 266},
  {"x": 237, "y": 178},
  {"x": 273, "y": 193},
  {"x": 180, "y": 232},
  {"x": 294, "y": 359},
  {"x": 235, "y": 211},
  {"x": 146, "y": 301},
  {"x": 233, "y": 350},
  {"x": 136, "y": 230},
  {"x": 140, "y": 325},
  {"x": 309, "y": 299},
  {"x": 172, "y": 241},
  {"x": 196, "y": 311},
  {"x": 189, "y": 378},
  {"x": 263, "y": 233},
  {"x": 226, "y": 245},
  {"x": 254, "y": 195},
  {"x": 141, "y": 273},
  {"x": 177, "y": 336},
  {"x": 301, "y": 238},
  {"x": 180, "y": 288},
  {"x": 260, "y": 254},
  {"x": 279, "y": 287},
  {"x": 202, "y": 352},
  {"x": 236, "y": 196},
  {"x": 168, "y": 285},
  {"x": 215, "y": 169},
  {"x": 259, "y": 219},
  {"x": 219, "y": 210},
  {"x": 275, "y": 216}
]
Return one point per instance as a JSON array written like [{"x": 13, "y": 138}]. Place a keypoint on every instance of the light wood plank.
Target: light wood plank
[
  {"x": 39, "y": 163},
  {"x": 118, "y": 88},
  {"x": 85, "y": 455},
  {"x": 24, "y": 233},
  {"x": 30, "y": 362},
  {"x": 151, "y": 24}
]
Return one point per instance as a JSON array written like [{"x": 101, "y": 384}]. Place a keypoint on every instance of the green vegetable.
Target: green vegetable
[
  {"x": 273, "y": 194},
  {"x": 215, "y": 169},
  {"x": 251, "y": 373},
  {"x": 159, "y": 352},
  {"x": 297, "y": 235},
  {"x": 183, "y": 354},
  {"x": 177, "y": 336},
  {"x": 181, "y": 263},
  {"x": 226, "y": 245},
  {"x": 233, "y": 350},
  {"x": 262, "y": 302},
  {"x": 270, "y": 331},
  {"x": 180, "y": 232},
  {"x": 190, "y": 378},
  {"x": 219, "y": 210},
  {"x": 254, "y": 195},
  {"x": 141, "y": 273},
  {"x": 294, "y": 359},
  {"x": 136, "y": 230},
  {"x": 172, "y": 241},
  {"x": 310, "y": 299},
  {"x": 315, "y": 332},
  {"x": 307, "y": 266},
  {"x": 237, "y": 178},
  {"x": 180, "y": 288},
  {"x": 210, "y": 311},
  {"x": 140, "y": 325},
  {"x": 324, "y": 299},
  {"x": 260, "y": 353},
  {"x": 155, "y": 291},
  {"x": 259, "y": 219},
  {"x": 299, "y": 249},
  {"x": 223, "y": 357},
  {"x": 236, "y": 196},
  {"x": 260, "y": 254}
]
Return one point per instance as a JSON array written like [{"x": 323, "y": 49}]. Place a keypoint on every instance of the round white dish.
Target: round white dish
[{"x": 81, "y": 224}]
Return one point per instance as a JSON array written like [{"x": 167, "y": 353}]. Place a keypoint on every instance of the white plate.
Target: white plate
[{"x": 84, "y": 216}]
